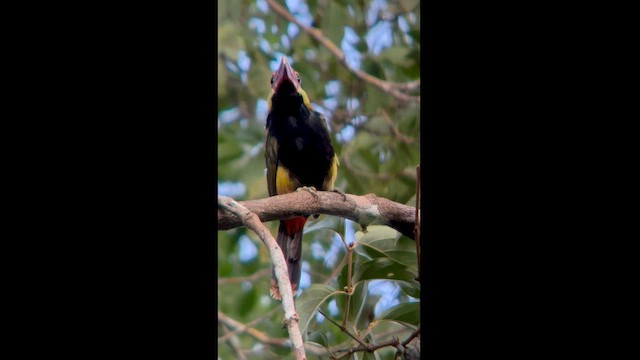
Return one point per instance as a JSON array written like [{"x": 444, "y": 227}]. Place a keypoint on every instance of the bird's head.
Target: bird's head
[{"x": 285, "y": 82}]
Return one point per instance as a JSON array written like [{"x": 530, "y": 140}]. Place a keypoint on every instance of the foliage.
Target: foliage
[{"x": 376, "y": 137}]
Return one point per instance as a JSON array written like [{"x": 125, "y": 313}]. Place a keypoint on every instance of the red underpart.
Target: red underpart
[{"x": 295, "y": 225}]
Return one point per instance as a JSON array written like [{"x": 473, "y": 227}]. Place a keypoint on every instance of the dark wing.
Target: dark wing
[{"x": 271, "y": 157}]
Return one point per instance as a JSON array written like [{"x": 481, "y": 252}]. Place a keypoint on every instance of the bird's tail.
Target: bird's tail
[{"x": 290, "y": 241}]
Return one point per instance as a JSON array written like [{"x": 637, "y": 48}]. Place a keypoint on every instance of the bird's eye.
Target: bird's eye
[
  {"x": 272, "y": 80},
  {"x": 298, "y": 78}
]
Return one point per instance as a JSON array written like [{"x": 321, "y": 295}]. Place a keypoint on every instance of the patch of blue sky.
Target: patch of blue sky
[
  {"x": 233, "y": 189},
  {"x": 262, "y": 6},
  {"x": 382, "y": 157},
  {"x": 228, "y": 116},
  {"x": 262, "y": 110},
  {"x": 330, "y": 105},
  {"x": 332, "y": 87},
  {"x": 352, "y": 55},
  {"x": 317, "y": 251},
  {"x": 404, "y": 27},
  {"x": 264, "y": 46},
  {"x": 374, "y": 9},
  {"x": 350, "y": 235},
  {"x": 284, "y": 39},
  {"x": 403, "y": 24},
  {"x": 305, "y": 277},
  {"x": 256, "y": 149},
  {"x": 359, "y": 120},
  {"x": 244, "y": 61},
  {"x": 301, "y": 11},
  {"x": 311, "y": 54},
  {"x": 388, "y": 290},
  {"x": 258, "y": 25},
  {"x": 292, "y": 30},
  {"x": 346, "y": 134},
  {"x": 352, "y": 104},
  {"x": 248, "y": 250},
  {"x": 333, "y": 254},
  {"x": 333, "y": 307},
  {"x": 351, "y": 11},
  {"x": 274, "y": 29},
  {"x": 378, "y": 37}
]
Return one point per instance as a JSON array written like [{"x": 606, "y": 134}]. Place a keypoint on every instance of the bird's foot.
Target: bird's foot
[
  {"x": 312, "y": 190},
  {"x": 337, "y": 190}
]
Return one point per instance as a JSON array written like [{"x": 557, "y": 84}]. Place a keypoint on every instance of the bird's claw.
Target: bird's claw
[
  {"x": 310, "y": 189},
  {"x": 337, "y": 190}
]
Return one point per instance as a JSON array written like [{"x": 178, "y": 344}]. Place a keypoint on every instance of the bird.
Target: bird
[{"x": 299, "y": 154}]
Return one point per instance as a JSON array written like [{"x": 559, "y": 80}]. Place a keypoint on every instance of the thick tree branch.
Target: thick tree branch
[
  {"x": 388, "y": 87},
  {"x": 251, "y": 221},
  {"x": 364, "y": 210}
]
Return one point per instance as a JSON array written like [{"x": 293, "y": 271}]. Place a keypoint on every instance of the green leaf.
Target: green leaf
[
  {"x": 319, "y": 338},
  {"x": 410, "y": 288},
  {"x": 385, "y": 269},
  {"x": 396, "y": 55},
  {"x": 248, "y": 301},
  {"x": 377, "y": 233},
  {"x": 329, "y": 222},
  {"x": 408, "y": 313},
  {"x": 383, "y": 241},
  {"x": 309, "y": 302},
  {"x": 334, "y": 21}
]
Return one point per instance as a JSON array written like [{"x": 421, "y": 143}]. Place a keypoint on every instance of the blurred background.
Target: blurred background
[{"x": 375, "y": 127}]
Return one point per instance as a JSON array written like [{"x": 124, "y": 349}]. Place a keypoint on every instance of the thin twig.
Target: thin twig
[
  {"x": 394, "y": 129},
  {"x": 237, "y": 280},
  {"x": 248, "y": 325},
  {"x": 256, "y": 334},
  {"x": 385, "y": 86},
  {"x": 344, "y": 329},
  {"x": 349, "y": 288},
  {"x": 233, "y": 343},
  {"x": 411, "y": 337},
  {"x": 370, "y": 347}
]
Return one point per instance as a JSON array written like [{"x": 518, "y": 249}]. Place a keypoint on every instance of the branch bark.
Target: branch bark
[
  {"x": 251, "y": 221},
  {"x": 363, "y": 209}
]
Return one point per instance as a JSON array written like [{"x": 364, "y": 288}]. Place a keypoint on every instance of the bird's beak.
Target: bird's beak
[{"x": 284, "y": 74}]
